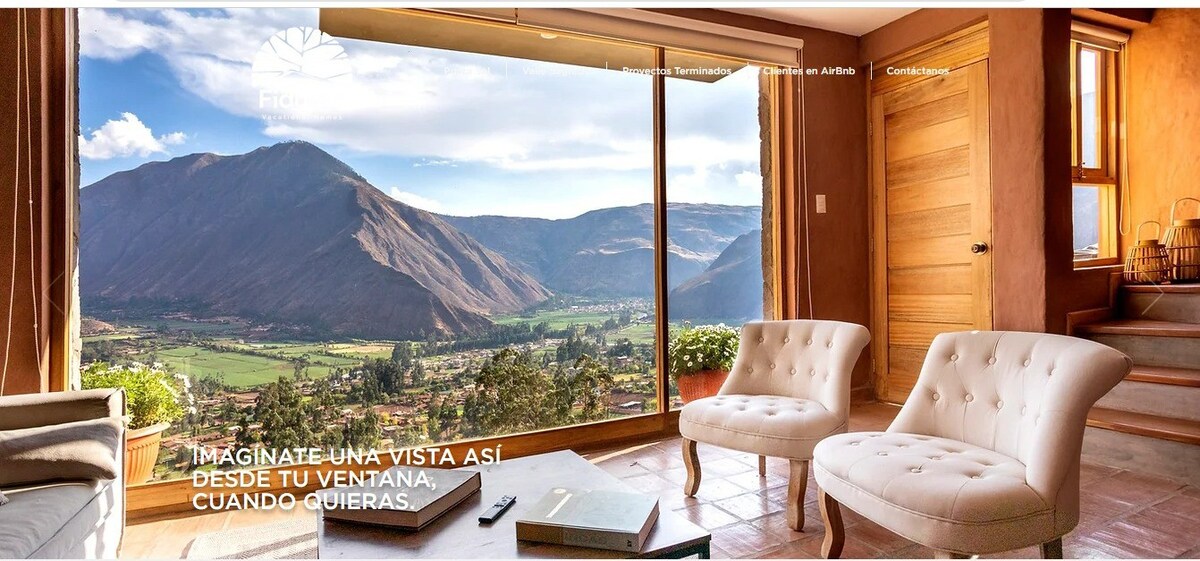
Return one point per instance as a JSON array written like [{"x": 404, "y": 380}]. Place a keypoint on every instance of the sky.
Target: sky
[{"x": 454, "y": 133}]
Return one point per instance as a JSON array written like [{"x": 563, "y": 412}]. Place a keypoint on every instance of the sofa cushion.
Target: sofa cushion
[
  {"x": 770, "y": 425},
  {"x": 77, "y": 450},
  {"x": 55, "y": 519},
  {"x": 935, "y": 491}
]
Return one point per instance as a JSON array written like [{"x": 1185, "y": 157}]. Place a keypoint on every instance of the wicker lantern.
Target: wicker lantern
[
  {"x": 1183, "y": 244},
  {"x": 1148, "y": 262}
]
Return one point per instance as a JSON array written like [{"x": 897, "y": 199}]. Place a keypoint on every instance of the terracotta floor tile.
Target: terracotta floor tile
[
  {"x": 1093, "y": 472},
  {"x": 676, "y": 475},
  {"x": 708, "y": 452},
  {"x": 749, "y": 506},
  {"x": 1134, "y": 488},
  {"x": 876, "y": 536},
  {"x": 1141, "y": 540},
  {"x": 776, "y": 525},
  {"x": 752, "y": 480},
  {"x": 790, "y": 550},
  {"x": 708, "y": 516},
  {"x": 724, "y": 467},
  {"x": 675, "y": 499},
  {"x": 621, "y": 467},
  {"x": 718, "y": 553},
  {"x": 1032, "y": 552},
  {"x": 743, "y": 540},
  {"x": 913, "y": 551},
  {"x": 658, "y": 461},
  {"x": 1182, "y": 506},
  {"x": 649, "y": 483},
  {"x": 1091, "y": 547},
  {"x": 1174, "y": 534},
  {"x": 1096, "y": 509},
  {"x": 717, "y": 489},
  {"x": 853, "y": 549}
]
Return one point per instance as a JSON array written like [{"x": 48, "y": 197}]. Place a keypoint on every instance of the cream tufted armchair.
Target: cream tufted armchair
[
  {"x": 788, "y": 389},
  {"x": 984, "y": 455}
]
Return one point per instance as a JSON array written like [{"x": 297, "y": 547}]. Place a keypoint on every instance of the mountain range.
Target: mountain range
[
  {"x": 290, "y": 234},
  {"x": 610, "y": 252}
]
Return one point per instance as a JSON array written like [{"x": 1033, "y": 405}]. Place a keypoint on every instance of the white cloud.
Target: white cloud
[
  {"x": 440, "y": 105},
  {"x": 128, "y": 136},
  {"x": 413, "y": 199}
]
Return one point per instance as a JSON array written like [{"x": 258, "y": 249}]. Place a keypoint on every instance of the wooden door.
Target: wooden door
[{"x": 932, "y": 228}]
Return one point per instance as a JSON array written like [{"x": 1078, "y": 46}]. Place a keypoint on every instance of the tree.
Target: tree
[
  {"x": 363, "y": 432},
  {"x": 591, "y": 386},
  {"x": 417, "y": 374},
  {"x": 402, "y": 354},
  {"x": 511, "y": 395},
  {"x": 286, "y": 422}
]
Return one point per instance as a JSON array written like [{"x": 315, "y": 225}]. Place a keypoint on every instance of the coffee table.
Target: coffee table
[{"x": 458, "y": 534}]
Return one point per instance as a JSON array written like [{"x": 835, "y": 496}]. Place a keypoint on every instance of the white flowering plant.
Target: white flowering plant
[
  {"x": 704, "y": 347},
  {"x": 152, "y": 394}
]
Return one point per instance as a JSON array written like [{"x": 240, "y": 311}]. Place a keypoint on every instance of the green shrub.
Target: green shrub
[
  {"x": 706, "y": 347},
  {"x": 152, "y": 395}
]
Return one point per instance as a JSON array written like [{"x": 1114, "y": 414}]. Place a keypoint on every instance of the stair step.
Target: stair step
[
  {"x": 1174, "y": 352},
  {"x": 1191, "y": 288},
  {"x": 1142, "y": 424},
  {"x": 1163, "y": 306},
  {"x": 1165, "y": 375},
  {"x": 1178, "y": 402},
  {"x": 1143, "y": 327},
  {"x": 1150, "y": 456}
]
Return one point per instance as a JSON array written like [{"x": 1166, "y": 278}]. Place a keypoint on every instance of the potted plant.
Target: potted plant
[
  {"x": 154, "y": 399},
  {"x": 700, "y": 359}
]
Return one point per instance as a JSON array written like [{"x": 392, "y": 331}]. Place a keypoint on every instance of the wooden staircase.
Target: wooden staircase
[{"x": 1151, "y": 421}]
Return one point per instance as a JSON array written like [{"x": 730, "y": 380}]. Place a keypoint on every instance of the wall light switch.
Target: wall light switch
[{"x": 820, "y": 204}]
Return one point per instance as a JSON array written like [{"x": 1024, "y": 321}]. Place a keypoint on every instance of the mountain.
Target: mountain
[
  {"x": 288, "y": 233},
  {"x": 609, "y": 252},
  {"x": 730, "y": 289}
]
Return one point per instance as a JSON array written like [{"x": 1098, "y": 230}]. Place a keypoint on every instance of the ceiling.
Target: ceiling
[{"x": 851, "y": 21}]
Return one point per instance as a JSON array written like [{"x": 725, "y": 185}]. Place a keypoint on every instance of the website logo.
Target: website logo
[{"x": 297, "y": 72}]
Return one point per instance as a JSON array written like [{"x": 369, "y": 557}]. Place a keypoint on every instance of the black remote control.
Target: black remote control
[{"x": 497, "y": 510}]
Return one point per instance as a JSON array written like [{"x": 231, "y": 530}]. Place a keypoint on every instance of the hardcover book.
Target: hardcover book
[
  {"x": 600, "y": 519},
  {"x": 401, "y": 497}
]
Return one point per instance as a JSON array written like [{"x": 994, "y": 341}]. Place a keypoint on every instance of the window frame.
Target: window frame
[
  {"x": 1106, "y": 174},
  {"x": 777, "y": 95}
]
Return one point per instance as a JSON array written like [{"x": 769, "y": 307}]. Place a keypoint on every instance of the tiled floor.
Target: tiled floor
[{"x": 1124, "y": 514}]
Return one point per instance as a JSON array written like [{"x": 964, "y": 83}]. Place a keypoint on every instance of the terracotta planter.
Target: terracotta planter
[
  {"x": 141, "y": 452},
  {"x": 702, "y": 384}
]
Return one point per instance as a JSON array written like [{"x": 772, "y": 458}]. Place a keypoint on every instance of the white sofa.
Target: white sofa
[{"x": 63, "y": 517}]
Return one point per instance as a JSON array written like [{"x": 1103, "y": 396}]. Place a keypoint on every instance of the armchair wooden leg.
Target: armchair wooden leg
[
  {"x": 835, "y": 531},
  {"x": 692, "y": 461},
  {"x": 1052, "y": 549},
  {"x": 762, "y": 466},
  {"x": 797, "y": 483}
]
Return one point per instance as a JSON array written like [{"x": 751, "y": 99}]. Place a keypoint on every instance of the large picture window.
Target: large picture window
[
  {"x": 1095, "y": 148},
  {"x": 334, "y": 242}
]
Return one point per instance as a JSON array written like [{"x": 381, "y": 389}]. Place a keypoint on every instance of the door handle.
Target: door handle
[{"x": 979, "y": 248}]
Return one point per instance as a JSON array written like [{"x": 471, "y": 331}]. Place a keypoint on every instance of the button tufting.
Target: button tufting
[
  {"x": 936, "y": 396},
  {"x": 829, "y": 344},
  {"x": 812, "y": 372},
  {"x": 810, "y": 341},
  {"x": 1028, "y": 362},
  {"x": 969, "y": 398},
  {"x": 762, "y": 339},
  {"x": 999, "y": 405},
  {"x": 976, "y": 477},
  {"x": 787, "y": 339},
  {"x": 915, "y": 470},
  {"x": 750, "y": 369},
  {"x": 882, "y": 453},
  {"x": 854, "y": 444},
  {"x": 1022, "y": 410},
  {"x": 793, "y": 371},
  {"x": 992, "y": 360},
  {"x": 936, "y": 458},
  {"x": 953, "y": 358},
  {"x": 772, "y": 366}
]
